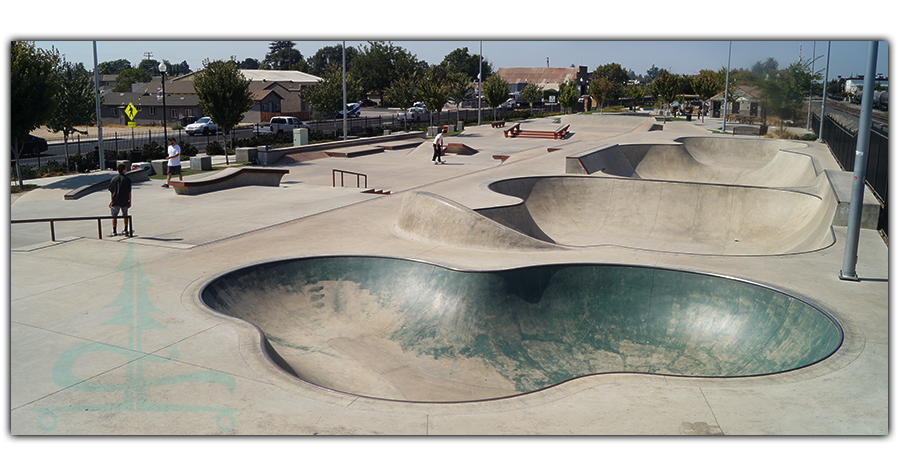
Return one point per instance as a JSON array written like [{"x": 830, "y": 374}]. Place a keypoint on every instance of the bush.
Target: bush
[
  {"x": 152, "y": 151},
  {"x": 188, "y": 150},
  {"x": 214, "y": 148}
]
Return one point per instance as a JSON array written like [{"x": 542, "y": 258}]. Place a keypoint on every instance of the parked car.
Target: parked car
[
  {"x": 34, "y": 146},
  {"x": 352, "y": 111},
  {"x": 280, "y": 125},
  {"x": 203, "y": 126},
  {"x": 413, "y": 114}
]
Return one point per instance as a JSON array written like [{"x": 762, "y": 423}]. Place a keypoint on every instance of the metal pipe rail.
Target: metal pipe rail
[
  {"x": 358, "y": 175},
  {"x": 77, "y": 218}
]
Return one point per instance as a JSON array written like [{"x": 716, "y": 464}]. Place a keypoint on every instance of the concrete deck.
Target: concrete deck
[{"x": 110, "y": 337}]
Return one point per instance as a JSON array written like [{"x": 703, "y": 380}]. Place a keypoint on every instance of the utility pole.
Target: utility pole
[
  {"x": 344, "y": 74},
  {"x": 824, "y": 93},
  {"x": 725, "y": 100}
]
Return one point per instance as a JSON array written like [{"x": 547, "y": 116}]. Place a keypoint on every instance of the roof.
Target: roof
[
  {"x": 547, "y": 77},
  {"x": 267, "y": 75},
  {"x": 112, "y": 99},
  {"x": 741, "y": 93}
]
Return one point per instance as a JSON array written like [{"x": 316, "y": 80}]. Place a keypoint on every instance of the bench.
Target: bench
[
  {"x": 231, "y": 178},
  {"x": 749, "y": 130},
  {"x": 498, "y": 124},
  {"x": 516, "y": 131}
]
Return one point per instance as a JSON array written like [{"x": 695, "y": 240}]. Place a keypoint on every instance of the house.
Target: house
[
  {"x": 274, "y": 93},
  {"x": 746, "y": 102},
  {"x": 548, "y": 78}
]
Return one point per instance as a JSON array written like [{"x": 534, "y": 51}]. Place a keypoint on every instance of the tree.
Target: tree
[
  {"x": 283, "y": 56},
  {"x": 785, "y": 89},
  {"x": 763, "y": 68},
  {"x": 76, "y": 102},
  {"x": 150, "y": 66},
  {"x": 568, "y": 94},
  {"x": 130, "y": 76},
  {"x": 249, "y": 63},
  {"x": 666, "y": 87},
  {"x": 403, "y": 93},
  {"x": 496, "y": 91},
  {"x": 434, "y": 90},
  {"x": 34, "y": 88},
  {"x": 378, "y": 64},
  {"x": 532, "y": 93},
  {"x": 224, "y": 94},
  {"x": 458, "y": 84},
  {"x": 637, "y": 93},
  {"x": 113, "y": 67},
  {"x": 327, "y": 97},
  {"x": 326, "y": 56},
  {"x": 601, "y": 89},
  {"x": 653, "y": 72},
  {"x": 705, "y": 84},
  {"x": 461, "y": 60}
]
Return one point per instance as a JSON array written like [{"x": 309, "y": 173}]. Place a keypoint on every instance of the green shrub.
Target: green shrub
[
  {"x": 214, "y": 148},
  {"x": 152, "y": 151},
  {"x": 188, "y": 150}
]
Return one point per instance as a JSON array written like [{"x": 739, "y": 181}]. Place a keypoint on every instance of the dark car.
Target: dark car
[{"x": 34, "y": 146}]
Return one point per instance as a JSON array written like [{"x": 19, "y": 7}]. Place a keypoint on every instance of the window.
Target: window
[
  {"x": 189, "y": 112},
  {"x": 173, "y": 113},
  {"x": 152, "y": 111},
  {"x": 115, "y": 112}
]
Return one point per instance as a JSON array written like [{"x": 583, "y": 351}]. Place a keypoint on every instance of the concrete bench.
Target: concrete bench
[
  {"x": 749, "y": 130},
  {"x": 518, "y": 132},
  {"x": 354, "y": 151},
  {"x": 230, "y": 178},
  {"x": 498, "y": 124},
  {"x": 135, "y": 176}
]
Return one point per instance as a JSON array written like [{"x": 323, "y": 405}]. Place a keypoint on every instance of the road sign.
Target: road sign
[{"x": 130, "y": 111}]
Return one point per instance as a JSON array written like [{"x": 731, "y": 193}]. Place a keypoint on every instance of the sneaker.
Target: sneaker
[
  {"x": 129, "y": 233},
  {"x": 165, "y": 185},
  {"x": 112, "y": 234},
  {"x": 443, "y": 162}
]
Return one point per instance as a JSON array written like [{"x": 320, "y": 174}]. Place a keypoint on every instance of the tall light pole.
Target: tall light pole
[
  {"x": 344, "y": 78},
  {"x": 162, "y": 69},
  {"x": 725, "y": 100},
  {"x": 100, "y": 154},
  {"x": 480, "y": 90},
  {"x": 812, "y": 71},
  {"x": 824, "y": 93},
  {"x": 851, "y": 248}
]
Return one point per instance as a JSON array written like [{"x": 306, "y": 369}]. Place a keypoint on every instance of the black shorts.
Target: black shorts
[{"x": 176, "y": 169}]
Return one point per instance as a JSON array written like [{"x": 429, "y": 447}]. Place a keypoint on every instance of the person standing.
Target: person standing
[
  {"x": 174, "y": 162},
  {"x": 438, "y": 148},
  {"x": 120, "y": 199}
]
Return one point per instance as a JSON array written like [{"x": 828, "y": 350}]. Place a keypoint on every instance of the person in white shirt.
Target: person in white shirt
[
  {"x": 438, "y": 148},
  {"x": 174, "y": 162}
]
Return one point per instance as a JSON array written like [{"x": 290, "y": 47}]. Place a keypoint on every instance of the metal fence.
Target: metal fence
[{"x": 842, "y": 141}]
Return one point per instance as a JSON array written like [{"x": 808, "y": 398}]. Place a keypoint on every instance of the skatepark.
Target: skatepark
[{"x": 630, "y": 278}]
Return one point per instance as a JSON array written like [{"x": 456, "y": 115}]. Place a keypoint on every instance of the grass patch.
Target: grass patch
[{"x": 27, "y": 187}]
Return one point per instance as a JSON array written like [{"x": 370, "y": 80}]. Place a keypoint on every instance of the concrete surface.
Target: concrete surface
[{"x": 111, "y": 337}]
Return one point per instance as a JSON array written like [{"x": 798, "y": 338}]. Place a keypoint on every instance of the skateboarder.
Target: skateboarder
[{"x": 438, "y": 148}]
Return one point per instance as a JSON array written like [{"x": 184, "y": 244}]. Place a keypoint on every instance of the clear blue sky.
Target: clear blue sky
[{"x": 678, "y": 56}]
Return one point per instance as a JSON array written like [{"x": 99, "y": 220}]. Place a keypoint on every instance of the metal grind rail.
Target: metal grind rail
[
  {"x": 358, "y": 175},
  {"x": 77, "y": 218}
]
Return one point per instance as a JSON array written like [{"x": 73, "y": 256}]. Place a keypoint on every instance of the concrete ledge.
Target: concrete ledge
[
  {"x": 842, "y": 184},
  {"x": 245, "y": 154},
  {"x": 230, "y": 178},
  {"x": 134, "y": 175},
  {"x": 355, "y": 151},
  {"x": 397, "y": 145},
  {"x": 607, "y": 159},
  {"x": 201, "y": 163}
]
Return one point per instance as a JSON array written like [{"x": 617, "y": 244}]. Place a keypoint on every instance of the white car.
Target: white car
[
  {"x": 202, "y": 126},
  {"x": 414, "y": 114}
]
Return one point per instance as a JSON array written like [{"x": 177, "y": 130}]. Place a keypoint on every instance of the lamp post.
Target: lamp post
[{"x": 162, "y": 69}]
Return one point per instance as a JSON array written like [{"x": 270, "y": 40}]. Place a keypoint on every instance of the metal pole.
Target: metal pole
[
  {"x": 165, "y": 130},
  {"x": 824, "y": 93},
  {"x": 344, "y": 74},
  {"x": 99, "y": 119},
  {"x": 480, "y": 58},
  {"x": 812, "y": 71},
  {"x": 848, "y": 271},
  {"x": 725, "y": 100}
]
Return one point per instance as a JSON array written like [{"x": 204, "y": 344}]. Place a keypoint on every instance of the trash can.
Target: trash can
[{"x": 688, "y": 116}]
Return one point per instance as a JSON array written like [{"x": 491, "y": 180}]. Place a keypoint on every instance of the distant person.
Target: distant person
[
  {"x": 120, "y": 199},
  {"x": 174, "y": 162},
  {"x": 438, "y": 148}
]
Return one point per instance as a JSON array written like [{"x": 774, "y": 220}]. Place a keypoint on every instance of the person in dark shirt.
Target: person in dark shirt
[{"x": 120, "y": 199}]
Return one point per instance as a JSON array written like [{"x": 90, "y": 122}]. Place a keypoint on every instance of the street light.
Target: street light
[{"x": 162, "y": 69}]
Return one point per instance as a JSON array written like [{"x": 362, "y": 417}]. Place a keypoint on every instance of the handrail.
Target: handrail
[
  {"x": 358, "y": 175},
  {"x": 77, "y": 218}
]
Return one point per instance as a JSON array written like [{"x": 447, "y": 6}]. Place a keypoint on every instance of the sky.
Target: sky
[{"x": 847, "y": 57}]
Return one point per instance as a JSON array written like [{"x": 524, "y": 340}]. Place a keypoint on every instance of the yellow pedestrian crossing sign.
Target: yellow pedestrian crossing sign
[{"x": 130, "y": 110}]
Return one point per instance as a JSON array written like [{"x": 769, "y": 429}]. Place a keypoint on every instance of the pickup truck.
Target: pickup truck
[
  {"x": 279, "y": 125},
  {"x": 413, "y": 114},
  {"x": 202, "y": 126}
]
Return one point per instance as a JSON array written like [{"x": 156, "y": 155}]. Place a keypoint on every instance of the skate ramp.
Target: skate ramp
[
  {"x": 406, "y": 330},
  {"x": 766, "y": 163},
  {"x": 667, "y": 216}
]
